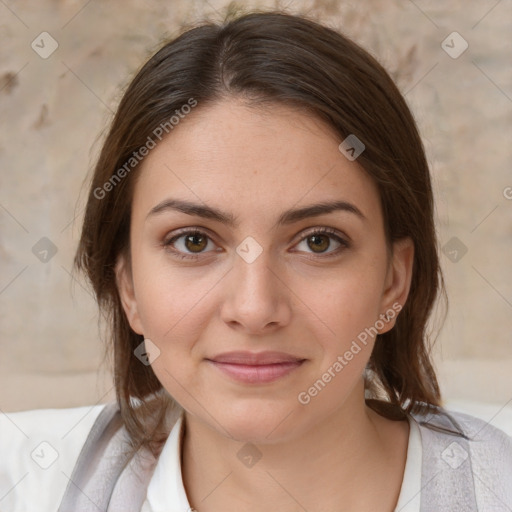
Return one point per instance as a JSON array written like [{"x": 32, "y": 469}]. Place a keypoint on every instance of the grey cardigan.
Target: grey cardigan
[{"x": 467, "y": 467}]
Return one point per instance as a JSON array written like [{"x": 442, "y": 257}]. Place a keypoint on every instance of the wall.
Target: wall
[{"x": 54, "y": 109}]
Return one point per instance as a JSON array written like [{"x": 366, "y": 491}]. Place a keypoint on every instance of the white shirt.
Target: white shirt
[{"x": 39, "y": 448}]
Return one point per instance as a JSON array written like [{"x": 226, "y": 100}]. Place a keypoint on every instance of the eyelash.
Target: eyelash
[{"x": 344, "y": 244}]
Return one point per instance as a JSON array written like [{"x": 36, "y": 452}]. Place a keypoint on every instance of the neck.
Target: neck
[{"x": 329, "y": 464}]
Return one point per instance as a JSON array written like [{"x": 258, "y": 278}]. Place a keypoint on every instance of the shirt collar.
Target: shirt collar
[{"x": 166, "y": 492}]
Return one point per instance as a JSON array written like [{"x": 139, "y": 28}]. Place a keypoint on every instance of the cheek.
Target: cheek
[
  {"x": 174, "y": 306},
  {"x": 346, "y": 308},
  {"x": 164, "y": 292},
  {"x": 175, "y": 309},
  {"x": 346, "y": 303}
]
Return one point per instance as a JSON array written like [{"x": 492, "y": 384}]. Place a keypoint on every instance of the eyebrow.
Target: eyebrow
[{"x": 287, "y": 217}]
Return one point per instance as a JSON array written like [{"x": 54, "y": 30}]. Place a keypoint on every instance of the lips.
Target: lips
[
  {"x": 256, "y": 368},
  {"x": 259, "y": 358}
]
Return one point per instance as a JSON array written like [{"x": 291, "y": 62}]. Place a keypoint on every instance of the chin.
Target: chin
[{"x": 266, "y": 424}]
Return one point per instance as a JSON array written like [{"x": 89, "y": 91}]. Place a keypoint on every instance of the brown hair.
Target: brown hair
[{"x": 264, "y": 58}]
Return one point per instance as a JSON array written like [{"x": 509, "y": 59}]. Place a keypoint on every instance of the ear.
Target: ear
[
  {"x": 398, "y": 282},
  {"x": 126, "y": 291}
]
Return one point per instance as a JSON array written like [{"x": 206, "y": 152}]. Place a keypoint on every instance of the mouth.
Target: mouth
[{"x": 256, "y": 368}]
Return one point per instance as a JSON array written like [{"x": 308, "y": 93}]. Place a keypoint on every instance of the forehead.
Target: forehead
[{"x": 254, "y": 161}]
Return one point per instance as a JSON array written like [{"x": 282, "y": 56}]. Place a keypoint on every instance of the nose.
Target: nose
[{"x": 256, "y": 298}]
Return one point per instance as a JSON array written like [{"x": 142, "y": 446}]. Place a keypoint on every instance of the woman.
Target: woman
[{"x": 259, "y": 233}]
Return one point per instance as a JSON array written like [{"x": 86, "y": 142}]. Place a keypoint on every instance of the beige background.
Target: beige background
[{"x": 53, "y": 110}]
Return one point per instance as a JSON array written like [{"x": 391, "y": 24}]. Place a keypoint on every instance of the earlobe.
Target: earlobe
[
  {"x": 398, "y": 281},
  {"x": 124, "y": 282}
]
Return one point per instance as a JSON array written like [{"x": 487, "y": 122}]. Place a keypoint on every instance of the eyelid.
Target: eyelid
[
  {"x": 191, "y": 230},
  {"x": 324, "y": 230},
  {"x": 188, "y": 230}
]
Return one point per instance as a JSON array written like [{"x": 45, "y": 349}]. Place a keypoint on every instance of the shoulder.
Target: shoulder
[
  {"x": 478, "y": 429},
  {"x": 467, "y": 453},
  {"x": 38, "y": 450},
  {"x": 484, "y": 440},
  {"x": 490, "y": 446},
  {"x": 478, "y": 432}
]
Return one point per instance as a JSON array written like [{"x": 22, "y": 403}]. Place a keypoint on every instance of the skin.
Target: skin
[{"x": 255, "y": 164}]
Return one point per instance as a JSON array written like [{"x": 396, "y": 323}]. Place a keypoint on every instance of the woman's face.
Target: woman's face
[{"x": 260, "y": 274}]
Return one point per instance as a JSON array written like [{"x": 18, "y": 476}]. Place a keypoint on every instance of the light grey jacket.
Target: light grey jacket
[{"x": 467, "y": 467}]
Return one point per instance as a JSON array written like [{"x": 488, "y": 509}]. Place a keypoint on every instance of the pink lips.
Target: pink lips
[{"x": 256, "y": 368}]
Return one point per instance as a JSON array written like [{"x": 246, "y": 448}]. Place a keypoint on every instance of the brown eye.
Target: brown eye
[
  {"x": 196, "y": 242},
  {"x": 189, "y": 244},
  {"x": 318, "y": 243},
  {"x": 323, "y": 242}
]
